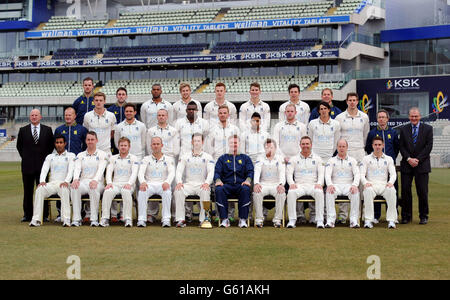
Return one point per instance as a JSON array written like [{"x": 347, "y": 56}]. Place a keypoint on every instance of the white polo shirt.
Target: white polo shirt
[
  {"x": 354, "y": 129},
  {"x": 218, "y": 139},
  {"x": 342, "y": 171},
  {"x": 305, "y": 170},
  {"x": 186, "y": 129},
  {"x": 136, "y": 132},
  {"x": 287, "y": 136},
  {"x": 211, "y": 113},
  {"x": 102, "y": 125},
  {"x": 195, "y": 169},
  {"x": 149, "y": 112},
  {"x": 89, "y": 166},
  {"x": 153, "y": 170},
  {"x": 324, "y": 137},
  {"x": 125, "y": 170},
  {"x": 246, "y": 111},
  {"x": 61, "y": 167},
  {"x": 270, "y": 171},
  {"x": 302, "y": 108},
  {"x": 170, "y": 139},
  {"x": 378, "y": 170},
  {"x": 179, "y": 109}
]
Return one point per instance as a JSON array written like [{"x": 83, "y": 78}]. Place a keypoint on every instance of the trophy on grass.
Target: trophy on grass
[{"x": 206, "y": 224}]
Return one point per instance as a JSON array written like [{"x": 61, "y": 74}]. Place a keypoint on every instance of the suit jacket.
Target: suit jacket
[
  {"x": 33, "y": 155},
  {"x": 421, "y": 151}
]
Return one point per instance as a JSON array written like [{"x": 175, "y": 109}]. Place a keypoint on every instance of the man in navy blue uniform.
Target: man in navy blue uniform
[
  {"x": 85, "y": 102},
  {"x": 74, "y": 133},
  {"x": 327, "y": 96},
  {"x": 233, "y": 176},
  {"x": 391, "y": 147},
  {"x": 118, "y": 108}
]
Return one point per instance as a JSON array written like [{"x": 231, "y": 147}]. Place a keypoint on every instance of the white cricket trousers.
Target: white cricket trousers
[
  {"x": 154, "y": 189},
  {"x": 94, "y": 197},
  {"x": 180, "y": 200},
  {"x": 302, "y": 190},
  {"x": 127, "y": 199},
  {"x": 280, "y": 199},
  {"x": 49, "y": 189},
  {"x": 343, "y": 190},
  {"x": 388, "y": 193}
]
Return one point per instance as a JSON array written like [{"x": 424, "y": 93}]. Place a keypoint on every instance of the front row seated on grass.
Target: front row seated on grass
[{"x": 232, "y": 175}]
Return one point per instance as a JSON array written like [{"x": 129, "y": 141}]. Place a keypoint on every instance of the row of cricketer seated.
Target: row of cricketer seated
[
  {"x": 246, "y": 110},
  {"x": 233, "y": 175}
]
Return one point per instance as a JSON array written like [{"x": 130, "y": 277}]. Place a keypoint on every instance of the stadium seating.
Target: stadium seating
[
  {"x": 261, "y": 46},
  {"x": 143, "y": 86},
  {"x": 63, "y": 22},
  {"x": 268, "y": 83},
  {"x": 128, "y": 19},
  {"x": 75, "y": 53},
  {"x": 11, "y": 89},
  {"x": 280, "y": 11},
  {"x": 331, "y": 45},
  {"x": 347, "y": 7},
  {"x": 330, "y": 85},
  {"x": 159, "y": 50}
]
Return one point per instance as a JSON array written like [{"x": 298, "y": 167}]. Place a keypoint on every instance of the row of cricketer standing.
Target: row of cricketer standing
[{"x": 190, "y": 150}]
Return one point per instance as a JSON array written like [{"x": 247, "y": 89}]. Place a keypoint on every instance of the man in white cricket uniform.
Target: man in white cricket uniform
[
  {"x": 149, "y": 108},
  {"x": 179, "y": 107},
  {"x": 188, "y": 126},
  {"x": 324, "y": 133},
  {"x": 102, "y": 122},
  {"x": 60, "y": 165},
  {"x": 269, "y": 179},
  {"x": 168, "y": 134},
  {"x": 287, "y": 135},
  {"x": 194, "y": 175},
  {"x": 354, "y": 129},
  {"x": 219, "y": 134},
  {"x": 302, "y": 108},
  {"x": 342, "y": 178},
  {"x": 253, "y": 140},
  {"x": 156, "y": 174},
  {"x": 132, "y": 129},
  {"x": 305, "y": 176},
  {"x": 124, "y": 167},
  {"x": 88, "y": 179},
  {"x": 254, "y": 105},
  {"x": 212, "y": 108},
  {"x": 378, "y": 176}
]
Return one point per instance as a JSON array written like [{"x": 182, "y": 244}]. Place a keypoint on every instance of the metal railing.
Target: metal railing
[{"x": 361, "y": 38}]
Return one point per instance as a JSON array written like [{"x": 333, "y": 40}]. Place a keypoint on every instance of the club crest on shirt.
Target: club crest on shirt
[{"x": 240, "y": 162}]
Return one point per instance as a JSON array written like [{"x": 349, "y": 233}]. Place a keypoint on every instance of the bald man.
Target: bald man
[{"x": 34, "y": 143}]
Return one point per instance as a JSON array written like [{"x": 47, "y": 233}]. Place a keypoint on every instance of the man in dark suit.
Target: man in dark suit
[
  {"x": 34, "y": 143},
  {"x": 416, "y": 142}
]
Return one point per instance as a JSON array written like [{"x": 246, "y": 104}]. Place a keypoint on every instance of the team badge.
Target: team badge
[
  {"x": 64, "y": 132},
  {"x": 389, "y": 136},
  {"x": 75, "y": 132},
  {"x": 228, "y": 161},
  {"x": 332, "y": 113},
  {"x": 240, "y": 162}
]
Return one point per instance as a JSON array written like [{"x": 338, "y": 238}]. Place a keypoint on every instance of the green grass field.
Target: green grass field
[{"x": 412, "y": 251}]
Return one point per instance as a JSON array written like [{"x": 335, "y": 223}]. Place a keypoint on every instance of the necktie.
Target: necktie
[
  {"x": 35, "y": 135},
  {"x": 414, "y": 134}
]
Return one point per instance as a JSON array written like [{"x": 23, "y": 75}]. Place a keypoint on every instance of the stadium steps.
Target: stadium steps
[
  {"x": 206, "y": 51},
  {"x": 99, "y": 55},
  {"x": 48, "y": 57},
  {"x": 317, "y": 47},
  {"x": 4, "y": 145},
  {"x": 202, "y": 88},
  {"x": 111, "y": 23},
  {"x": 331, "y": 11},
  {"x": 313, "y": 86}
]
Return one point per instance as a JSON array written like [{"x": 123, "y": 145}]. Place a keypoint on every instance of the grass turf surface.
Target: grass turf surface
[{"x": 412, "y": 251}]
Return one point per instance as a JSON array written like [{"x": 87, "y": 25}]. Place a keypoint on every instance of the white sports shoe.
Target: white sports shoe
[
  {"x": 320, "y": 225},
  {"x": 375, "y": 221},
  {"x": 291, "y": 224},
  {"x": 368, "y": 224},
  {"x": 76, "y": 223},
  {"x": 34, "y": 223},
  {"x": 166, "y": 224},
  {"x": 391, "y": 225},
  {"x": 104, "y": 223},
  {"x": 243, "y": 223},
  {"x": 141, "y": 224},
  {"x": 277, "y": 224},
  {"x": 354, "y": 225},
  {"x": 58, "y": 219},
  {"x": 225, "y": 223},
  {"x": 329, "y": 225},
  {"x": 94, "y": 224}
]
